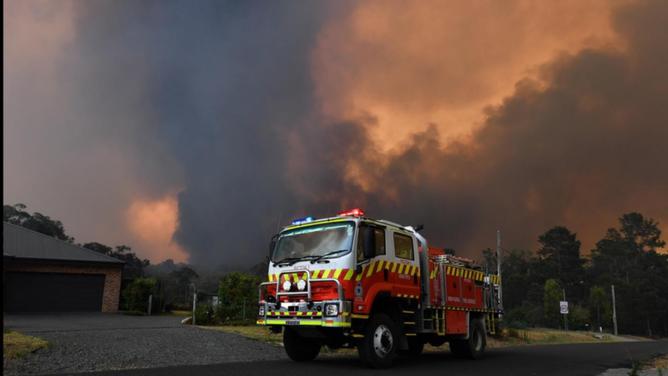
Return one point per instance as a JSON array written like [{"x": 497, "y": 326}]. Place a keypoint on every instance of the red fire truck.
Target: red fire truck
[{"x": 353, "y": 281}]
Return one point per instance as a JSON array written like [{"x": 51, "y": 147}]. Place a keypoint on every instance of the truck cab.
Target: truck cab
[{"x": 353, "y": 281}]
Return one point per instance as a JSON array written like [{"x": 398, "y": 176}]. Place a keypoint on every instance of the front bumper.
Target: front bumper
[{"x": 298, "y": 314}]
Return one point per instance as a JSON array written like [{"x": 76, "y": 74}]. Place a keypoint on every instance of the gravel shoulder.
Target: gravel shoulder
[{"x": 115, "y": 342}]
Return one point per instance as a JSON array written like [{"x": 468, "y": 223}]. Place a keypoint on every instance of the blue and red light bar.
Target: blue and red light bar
[
  {"x": 357, "y": 212},
  {"x": 300, "y": 221}
]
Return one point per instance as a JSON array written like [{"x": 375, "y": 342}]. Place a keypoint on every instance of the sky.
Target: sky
[{"x": 195, "y": 130}]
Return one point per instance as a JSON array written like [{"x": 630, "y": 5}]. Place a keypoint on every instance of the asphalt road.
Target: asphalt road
[{"x": 579, "y": 359}]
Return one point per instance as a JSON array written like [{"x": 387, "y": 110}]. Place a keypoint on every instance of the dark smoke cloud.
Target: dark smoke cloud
[
  {"x": 579, "y": 146},
  {"x": 228, "y": 86},
  {"x": 218, "y": 99}
]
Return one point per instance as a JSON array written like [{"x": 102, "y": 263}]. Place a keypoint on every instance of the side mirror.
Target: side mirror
[
  {"x": 369, "y": 238},
  {"x": 272, "y": 244}
]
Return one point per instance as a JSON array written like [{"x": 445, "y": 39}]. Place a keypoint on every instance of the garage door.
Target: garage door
[{"x": 52, "y": 292}]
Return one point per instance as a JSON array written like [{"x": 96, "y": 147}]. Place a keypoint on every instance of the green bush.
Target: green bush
[
  {"x": 578, "y": 318},
  {"x": 237, "y": 293},
  {"x": 137, "y": 292},
  {"x": 204, "y": 314}
]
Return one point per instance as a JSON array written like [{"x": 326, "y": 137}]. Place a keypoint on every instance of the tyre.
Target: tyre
[
  {"x": 298, "y": 348},
  {"x": 378, "y": 348},
  {"x": 474, "y": 346},
  {"x": 415, "y": 347}
]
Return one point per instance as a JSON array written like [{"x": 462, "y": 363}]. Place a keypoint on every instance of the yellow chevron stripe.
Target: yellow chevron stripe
[
  {"x": 379, "y": 265},
  {"x": 295, "y": 277},
  {"x": 359, "y": 275},
  {"x": 314, "y": 274},
  {"x": 349, "y": 275},
  {"x": 325, "y": 273},
  {"x": 337, "y": 273},
  {"x": 370, "y": 269},
  {"x": 394, "y": 267},
  {"x": 401, "y": 268},
  {"x": 387, "y": 265}
]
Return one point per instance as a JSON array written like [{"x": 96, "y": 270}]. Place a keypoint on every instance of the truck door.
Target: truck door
[
  {"x": 406, "y": 275},
  {"x": 370, "y": 274}
]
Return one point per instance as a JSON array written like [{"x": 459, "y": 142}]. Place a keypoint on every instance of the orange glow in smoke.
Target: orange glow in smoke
[
  {"x": 153, "y": 223},
  {"x": 408, "y": 65}
]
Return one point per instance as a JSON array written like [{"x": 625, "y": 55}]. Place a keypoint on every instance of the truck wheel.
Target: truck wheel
[
  {"x": 378, "y": 348},
  {"x": 474, "y": 346},
  {"x": 298, "y": 348},
  {"x": 415, "y": 347}
]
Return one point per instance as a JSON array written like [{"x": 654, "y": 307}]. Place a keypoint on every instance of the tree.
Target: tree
[
  {"x": 134, "y": 266},
  {"x": 237, "y": 291},
  {"x": 551, "y": 298},
  {"x": 560, "y": 259},
  {"x": 41, "y": 223},
  {"x": 99, "y": 248},
  {"x": 640, "y": 232},
  {"x": 183, "y": 279},
  {"x": 598, "y": 305},
  {"x": 627, "y": 257}
]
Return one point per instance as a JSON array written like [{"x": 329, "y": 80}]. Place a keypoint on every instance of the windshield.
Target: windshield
[{"x": 314, "y": 241}]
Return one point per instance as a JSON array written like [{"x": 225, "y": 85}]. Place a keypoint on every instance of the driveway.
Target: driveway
[{"x": 98, "y": 341}]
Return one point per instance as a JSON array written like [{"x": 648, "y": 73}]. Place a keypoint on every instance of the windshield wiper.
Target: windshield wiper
[
  {"x": 332, "y": 253},
  {"x": 287, "y": 260}
]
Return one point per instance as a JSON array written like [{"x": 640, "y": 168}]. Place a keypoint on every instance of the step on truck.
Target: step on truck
[{"x": 352, "y": 281}]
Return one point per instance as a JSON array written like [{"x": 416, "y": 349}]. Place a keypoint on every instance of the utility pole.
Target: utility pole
[
  {"x": 498, "y": 266},
  {"x": 565, "y": 314},
  {"x": 150, "y": 304},
  {"x": 194, "y": 302},
  {"x": 614, "y": 310}
]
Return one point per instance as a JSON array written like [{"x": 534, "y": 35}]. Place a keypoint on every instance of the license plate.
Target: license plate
[{"x": 292, "y": 322}]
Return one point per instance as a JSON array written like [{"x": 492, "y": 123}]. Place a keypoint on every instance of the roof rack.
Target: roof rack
[{"x": 456, "y": 261}]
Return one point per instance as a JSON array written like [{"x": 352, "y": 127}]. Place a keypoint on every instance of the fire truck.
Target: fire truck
[{"x": 352, "y": 281}]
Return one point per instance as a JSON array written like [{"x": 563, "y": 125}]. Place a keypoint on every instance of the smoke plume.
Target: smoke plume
[{"x": 251, "y": 114}]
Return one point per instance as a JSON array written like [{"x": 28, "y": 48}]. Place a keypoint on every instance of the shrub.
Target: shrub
[
  {"x": 578, "y": 318},
  {"x": 137, "y": 292},
  {"x": 237, "y": 293},
  {"x": 204, "y": 314}
]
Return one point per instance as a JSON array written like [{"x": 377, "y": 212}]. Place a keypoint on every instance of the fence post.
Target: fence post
[
  {"x": 194, "y": 306},
  {"x": 150, "y": 303}
]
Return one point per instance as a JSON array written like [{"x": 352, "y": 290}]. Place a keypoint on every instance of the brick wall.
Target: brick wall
[{"x": 112, "y": 276}]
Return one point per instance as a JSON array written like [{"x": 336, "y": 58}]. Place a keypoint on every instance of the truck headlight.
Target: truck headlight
[
  {"x": 287, "y": 285},
  {"x": 301, "y": 285},
  {"x": 331, "y": 309},
  {"x": 261, "y": 311}
]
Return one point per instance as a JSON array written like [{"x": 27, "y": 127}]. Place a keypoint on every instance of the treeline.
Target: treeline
[
  {"x": 627, "y": 257},
  {"x": 533, "y": 281}
]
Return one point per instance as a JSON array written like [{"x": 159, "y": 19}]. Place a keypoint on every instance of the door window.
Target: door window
[
  {"x": 403, "y": 246},
  {"x": 379, "y": 235}
]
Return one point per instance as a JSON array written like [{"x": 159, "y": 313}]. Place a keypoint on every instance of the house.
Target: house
[{"x": 45, "y": 274}]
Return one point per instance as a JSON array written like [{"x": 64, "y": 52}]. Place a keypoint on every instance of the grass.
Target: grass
[
  {"x": 539, "y": 336},
  {"x": 659, "y": 363},
  {"x": 180, "y": 313},
  {"x": 16, "y": 345}
]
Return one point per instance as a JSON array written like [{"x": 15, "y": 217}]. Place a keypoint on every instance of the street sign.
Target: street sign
[{"x": 563, "y": 307}]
